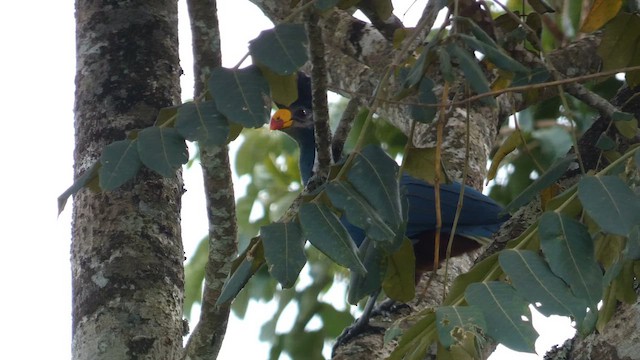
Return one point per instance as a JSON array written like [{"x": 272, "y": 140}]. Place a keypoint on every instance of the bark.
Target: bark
[
  {"x": 206, "y": 340},
  {"x": 126, "y": 253}
]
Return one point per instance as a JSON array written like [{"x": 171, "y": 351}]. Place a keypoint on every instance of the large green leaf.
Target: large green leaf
[
  {"x": 620, "y": 41},
  {"x": 284, "y": 251},
  {"x": 162, "y": 150},
  {"x": 610, "y": 202},
  {"x": 358, "y": 211},
  {"x": 421, "y": 112},
  {"x": 361, "y": 285},
  {"x": 325, "y": 232},
  {"x": 544, "y": 181},
  {"x": 202, "y": 122},
  {"x": 241, "y": 95},
  {"x": 120, "y": 162},
  {"x": 533, "y": 279},
  {"x": 83, "y": 180},
  {"x": 375, "y": 176},
  {"x": 400, "y": 279},
  {"x": 472, "y": 72},
  {"x": 568, "y": 247},
  {"x": 503, "y": 311},
  {"x": 282, "y": 49},
  {"x": 451, "y": 319}
]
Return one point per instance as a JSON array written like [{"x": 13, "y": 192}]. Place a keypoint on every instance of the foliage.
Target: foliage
[{"x": 555, "y": 264}]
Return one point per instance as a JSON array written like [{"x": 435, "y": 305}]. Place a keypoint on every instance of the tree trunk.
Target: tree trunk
[{"x": 126, "y": 253}]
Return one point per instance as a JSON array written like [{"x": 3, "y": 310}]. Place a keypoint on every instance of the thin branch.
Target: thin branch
[{"x": 206, "y": 340}]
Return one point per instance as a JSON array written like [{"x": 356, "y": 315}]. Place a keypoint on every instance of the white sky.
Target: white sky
[{"x": 37, "y": 88}]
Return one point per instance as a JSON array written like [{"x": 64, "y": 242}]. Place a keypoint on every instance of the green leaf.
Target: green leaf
[
  {"x": 282, "y": 49},
  {"x": 478, "y": 32},
  {"x": 540, "y": 6},
  {"x": 325, "y": 232},
  {"x": 451, "y": 319},
  {"x": 202, "y": 122},
  {"x": 568, "y": 247},
  {"x": 194, "y": 275},
  {"x": 547, "y": 179},
  {"x": 284, "y": 89},
  {"x": 472, "y": 72},
  {"x": 611, "y": 203},
  {"x": 242, "y": 269},
  {"x": 605, "y": 142},
  {"x": 632, "y": 249},
  {"x": 374, "y": 175},
  {"x": 323, "y": 5},
  {"x": 499, "y": 58},
  {"x": 400, "y": 281},
  {"x": 533, "y": 279},
  {"x": 445, "y": 65},
  {"x": 361, "y": 285},
  {"x": 477, "y": 273},
  {"x": 358, "y": 211},
  {"x": 622, "y": 116},
  {"x": 503, "y": 311},
  {"x": 383, "y": 8},
  {"x": 426, "y": 96},
  {"x": 120, "y": 162},
  {"x": 417, "y": 70},
  {"x": 416, "y": 339},
  {"x": 162, "y": 150},
  {"x": 620, "y": 41},
  {"x": 241, "y": 95},
  {"x": 284, "y": 251},
  {"x": 87, "y": 177}
]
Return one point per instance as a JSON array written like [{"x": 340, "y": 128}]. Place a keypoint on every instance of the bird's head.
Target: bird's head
[{"x": 297, "y": 121}]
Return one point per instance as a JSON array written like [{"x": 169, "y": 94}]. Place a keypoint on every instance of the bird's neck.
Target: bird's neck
[{"x": 307, "y": 143}]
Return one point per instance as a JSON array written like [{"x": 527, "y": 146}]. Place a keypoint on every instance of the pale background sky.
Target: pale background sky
[{"x": 37, "y": 91}]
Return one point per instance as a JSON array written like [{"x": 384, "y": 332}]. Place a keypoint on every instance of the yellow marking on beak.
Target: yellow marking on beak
[{"x": 281, "y": 119}]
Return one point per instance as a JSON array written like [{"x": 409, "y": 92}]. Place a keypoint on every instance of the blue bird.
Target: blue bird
[{"x": 479, "y": 217}]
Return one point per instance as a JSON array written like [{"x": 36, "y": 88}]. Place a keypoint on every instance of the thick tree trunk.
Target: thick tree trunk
[{"x": 126, "y": 250}]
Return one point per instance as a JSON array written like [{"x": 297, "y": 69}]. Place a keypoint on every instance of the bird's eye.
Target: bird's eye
[{"x": 301, "y": 113}]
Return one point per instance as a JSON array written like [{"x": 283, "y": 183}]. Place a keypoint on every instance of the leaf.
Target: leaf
[
  {"x": 383, "y": 8},
  {"x": 477, "y": 31},
  {"x": 194, "y": 275},
  {"x": 202, "y": 122},
  {"x": 162, "y": 150},
  {"x": 568, "y": 247},
  {"x": 445, "y": 65},
  {"x": 452, "y": 321},
  {"x": 416, "y": 339},
  {"x": 605, "y": 142},
  {"x": 374, "y": 175},
  {"x": 242, "y": 269},
  {"x": 420, "y": 163},
  {"x": 427, "y": 108},
  {"x": 620, "y": 40},
  {"x": 540, "y": 6},
  {"x": 476, "y": 274},
  {"x": 628, "y": 129},
  {"x": 503, "y": 311},
  {"x": 361, "y": 285},
  {"x": 284, "y": 89},
  {"x": 323, "y": 5},
  {"x": 417, "y": 70},
  {"x": 547, "y": 179},
  {"x": 87, "y": 177},
  {"x": 611, "y": 203},
  {"x": 282, "y": 49},
  {"x": 284, "y": 251},
  {"x": 400, "y": 280},
  {"x": 600, "y": 13},
  {"x": 241, "y": 95},
  {"x": 120, "y": 162},
  {"x": 472, "y": 72},
  {"x": 531, "y": 276},
  {"x": 632, "y": 249},
  {"x": 499, "y": 58},
  {"x": 325, "y": 232},
  {"x": 508, "y": 146},
  {"x": 358, "y": 211}
]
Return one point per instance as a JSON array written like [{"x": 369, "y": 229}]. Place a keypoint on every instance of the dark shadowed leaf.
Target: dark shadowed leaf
[
  {"x": 120, "y": 162},
  {"x": 325, "y": 231},
  {"x": 323, "y": 5},
  {"x": 540, "y": 6},
  {"x": 284, "y": 251},
  {"x": 358, "y": 211},
  {"x": 533, "y": 279},
  {"x": 632, "y": 249},
  {"x": 498, "y": 57},
  {"x": 202, "y": 122},
  {"x": 610, "y": 202},
  {"x": 547, "y": 179},
  {"x": 242, "y": 269},
  {"x": 568, "y": 247},
  {"x": 88, "y": 176},
  {"x": 445, "y": 65},
  {"x": 472, "y": 72},
  {"x": 162, "y": 150},
  {"x": 414, "y": 74},
  {"x": 400, "y": 280},
  {"x": 426, "y": 96},
  {"x": 477, "y": 31},
  {"x": 503, "y": 311},
  {"x": 282, "y": 49},
  {"x": 241, "y": 95},
  {"x": 451, "y": 319},
  {"x": 361, "y": 285},
  {"x": 384, "y": 8},
  {"x": 375, "y": 176}
]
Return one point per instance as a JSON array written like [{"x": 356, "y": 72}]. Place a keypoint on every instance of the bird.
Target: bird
[{"x": 480, "y": 216}]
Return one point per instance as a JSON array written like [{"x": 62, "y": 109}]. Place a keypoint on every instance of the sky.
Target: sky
[{"x": 37, "y": 89}]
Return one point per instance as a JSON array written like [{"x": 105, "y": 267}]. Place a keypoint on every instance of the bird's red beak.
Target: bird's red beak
[{"x": 281, "y": 119}]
